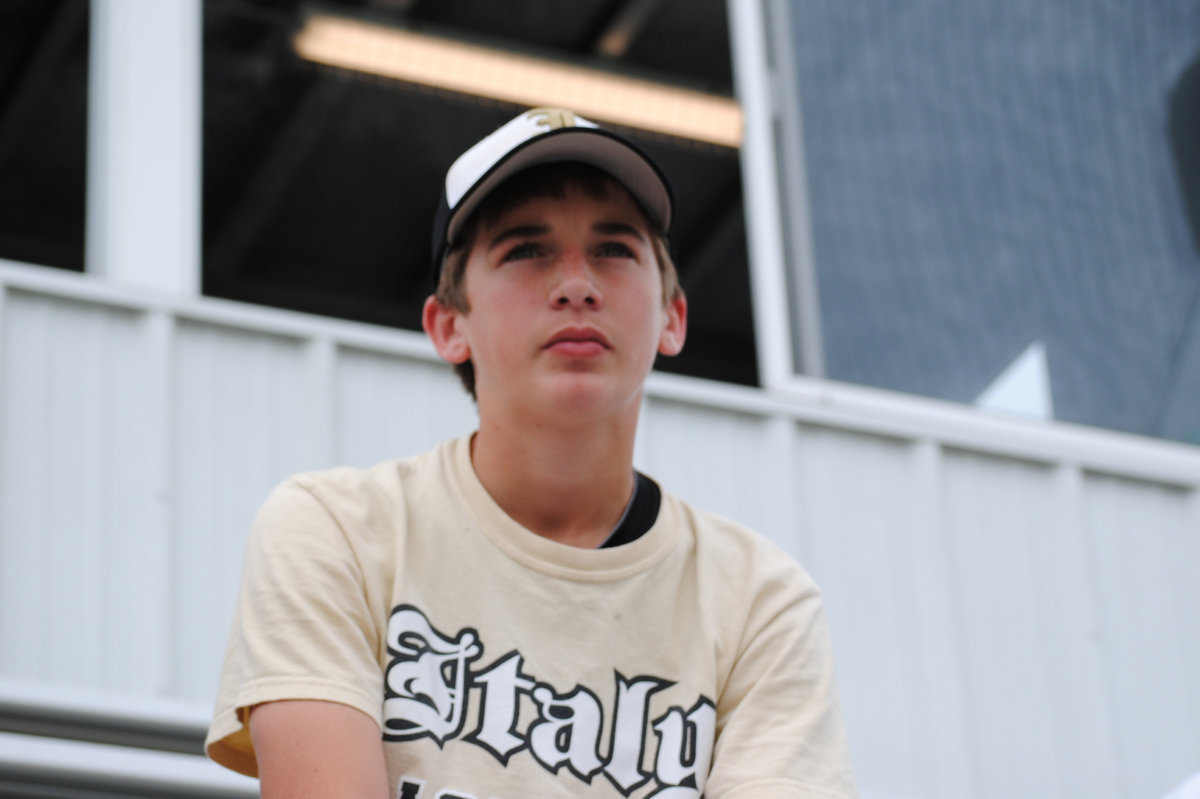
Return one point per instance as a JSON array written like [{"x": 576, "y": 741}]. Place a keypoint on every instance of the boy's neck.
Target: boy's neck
[{"x": 568, "y": 485}]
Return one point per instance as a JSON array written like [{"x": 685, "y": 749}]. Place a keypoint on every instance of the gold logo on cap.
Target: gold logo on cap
[{"x": 553, "y": 118}]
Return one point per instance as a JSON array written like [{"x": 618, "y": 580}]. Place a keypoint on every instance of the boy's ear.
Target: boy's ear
[
  {"x": 675, "y": 330},
  {"x": 441, "y": 325}
]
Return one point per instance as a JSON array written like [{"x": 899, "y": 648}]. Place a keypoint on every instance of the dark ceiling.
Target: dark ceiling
[{"x": 319, "y": 185}]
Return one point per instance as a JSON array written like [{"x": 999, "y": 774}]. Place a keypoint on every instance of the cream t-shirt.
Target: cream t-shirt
[{"x": 502, "y": 665}]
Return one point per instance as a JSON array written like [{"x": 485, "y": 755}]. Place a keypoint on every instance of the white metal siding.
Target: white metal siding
[
  {"x": 81, "y": 521},
  {"x": 243, "y": 414},
  {"x": 387, "y": 406},
  {"x": 1014, "y": 606},
  {"x": 1143, "y": 545}
]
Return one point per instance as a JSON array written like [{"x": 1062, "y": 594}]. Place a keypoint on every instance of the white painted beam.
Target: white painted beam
[
  {"x": 808, "y": 337},
  {"x": 764, "y": 232},
  {"x": 143, "y": 196}
]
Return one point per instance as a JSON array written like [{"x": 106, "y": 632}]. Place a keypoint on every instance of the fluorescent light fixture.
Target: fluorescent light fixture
[{"x": 524, "y": 80}]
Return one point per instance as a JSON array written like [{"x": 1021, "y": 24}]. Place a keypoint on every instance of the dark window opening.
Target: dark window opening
[{"x": 43, "y": 131}]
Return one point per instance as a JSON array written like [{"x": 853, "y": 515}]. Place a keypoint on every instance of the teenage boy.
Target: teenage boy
[{"x": 518, "y": 613}]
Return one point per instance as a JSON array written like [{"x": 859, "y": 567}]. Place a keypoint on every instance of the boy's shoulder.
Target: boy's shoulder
[
  {"x": 388, "y": 481},
  {"x": 739, "y": 554}
]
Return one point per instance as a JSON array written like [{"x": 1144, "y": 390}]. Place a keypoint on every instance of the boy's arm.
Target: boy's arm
[
  {"x": 304, "y": 629},
  {"x": 317, "y": 749},
  {"x": 782, "y": 731}
]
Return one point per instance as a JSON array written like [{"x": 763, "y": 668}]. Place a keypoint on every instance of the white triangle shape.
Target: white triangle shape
[{"x": 1022, "y": 388}]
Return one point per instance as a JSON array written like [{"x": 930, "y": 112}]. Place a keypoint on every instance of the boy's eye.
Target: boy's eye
[
  {"x": 614, "y": 249},
  {"x": 526, "y": 249}
]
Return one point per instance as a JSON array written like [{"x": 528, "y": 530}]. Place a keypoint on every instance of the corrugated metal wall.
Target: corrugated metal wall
[{"x": 1015, "y": 606}]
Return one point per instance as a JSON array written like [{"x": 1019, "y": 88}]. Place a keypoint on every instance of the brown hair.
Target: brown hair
[{"x": 547, "y": 180}]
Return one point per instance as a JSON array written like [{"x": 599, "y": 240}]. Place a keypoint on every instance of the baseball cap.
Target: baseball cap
[{"x": 544, "y": 136}]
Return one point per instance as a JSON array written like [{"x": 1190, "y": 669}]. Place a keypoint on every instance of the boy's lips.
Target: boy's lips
[{"x": 578, "y": 341}]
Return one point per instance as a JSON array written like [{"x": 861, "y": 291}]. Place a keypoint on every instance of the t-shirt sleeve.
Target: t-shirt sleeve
[
  {"x": 779, "y": 728},
  {"x": 302, "y": 627}
]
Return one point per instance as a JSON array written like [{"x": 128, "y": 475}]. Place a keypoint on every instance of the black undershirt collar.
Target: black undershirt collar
[{"x": 641, "y": 514}]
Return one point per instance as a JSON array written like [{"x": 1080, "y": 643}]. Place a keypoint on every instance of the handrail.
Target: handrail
[
  {"x": 110, "y": 744},
  {"x": 29, "y": 765},
  {"x": 70, "y": 713}
]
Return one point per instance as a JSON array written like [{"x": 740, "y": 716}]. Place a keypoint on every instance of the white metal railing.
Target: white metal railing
[
  {"x": 37, "y": 766},
  {"x": 55, "y": 739},
  {"x": 819, "y": 402}
]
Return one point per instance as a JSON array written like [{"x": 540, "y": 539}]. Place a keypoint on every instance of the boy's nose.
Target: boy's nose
[{"x": 576, "y": 287}]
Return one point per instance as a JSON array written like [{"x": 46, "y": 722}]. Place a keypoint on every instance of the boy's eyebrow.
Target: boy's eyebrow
[
  {"x": 529, "y": 231},
  {"x": 618, "y": 229},
  {"x": 518, "y": 232}
]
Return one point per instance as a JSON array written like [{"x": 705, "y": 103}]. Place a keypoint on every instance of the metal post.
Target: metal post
[
  {"x": 792, "y": 184},
  {"x": 143, "y": 198},
  {"x": 764, "y": 235}
]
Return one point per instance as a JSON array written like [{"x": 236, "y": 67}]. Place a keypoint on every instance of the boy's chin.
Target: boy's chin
[{"x": 578, "y": 393}]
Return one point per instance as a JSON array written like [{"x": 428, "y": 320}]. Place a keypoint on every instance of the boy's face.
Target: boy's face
[{"x": 566, "y": 306}]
